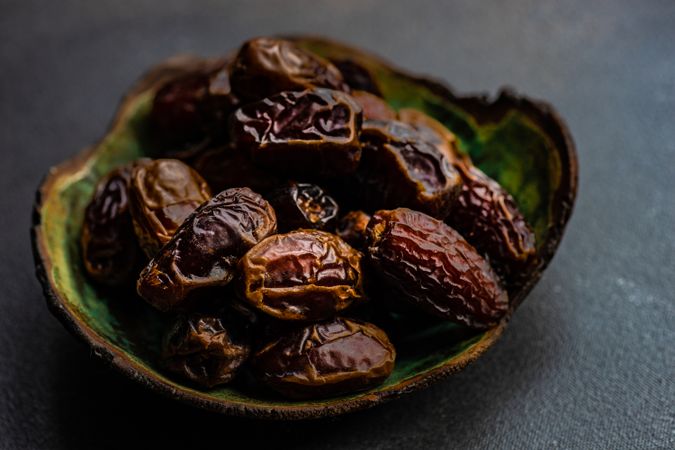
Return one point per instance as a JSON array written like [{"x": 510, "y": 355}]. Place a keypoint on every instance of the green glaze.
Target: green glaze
[{"x": 514, "y": 150}]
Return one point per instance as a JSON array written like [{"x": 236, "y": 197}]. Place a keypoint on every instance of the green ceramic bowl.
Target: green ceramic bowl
[{"x": 520, "y": 142}]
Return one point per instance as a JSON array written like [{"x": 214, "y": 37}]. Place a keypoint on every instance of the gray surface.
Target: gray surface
[{"x": 589, "y": 359}]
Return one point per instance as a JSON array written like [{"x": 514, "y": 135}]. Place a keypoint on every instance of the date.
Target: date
[
  {"x": 303, "y": 205},
  {"x": 374, "y": 107},
  {"x": 400, "y": 168},
  {"x": 309, "y": 132},
  {"x": 205, "y": 250},
  {"x": 301, "y": 275},
  {"x": 109, "y": 248},
  {"x": 163, "y": 193},
  {"x": 487, "y": 216},
  {"x": 266, "y": 66},
  {"x": 357, "y": 76},
  {"x": 326, "y": 359},
  {"x": 206, "y": 349},
  {"x": 434, "y": 268}
]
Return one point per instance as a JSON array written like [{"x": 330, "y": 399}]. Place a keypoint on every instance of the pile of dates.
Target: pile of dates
[{"x": 291, "y": 208}]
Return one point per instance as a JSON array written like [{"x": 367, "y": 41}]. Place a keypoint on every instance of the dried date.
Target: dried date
[
  {"x": 301, "y": 275},
  {"x": 163, "y": 193},
  {"x": 434, "y": 268},
  {"x": 374, "y": 107},
  {"x": 400, "y": 168},
  {"x": 487, "y": 216},
  {"x": 326, "y": 359},
  {"x": 204, "y": 251},
  {"x": 207, "y": 349},
  {"x": 309, "y": 132},
  {"x": 303, "y": 205},
  {"x": 109, "y": 248},
  {"x": 357, "y": 77},
  {"x": 266, "y": 66}
]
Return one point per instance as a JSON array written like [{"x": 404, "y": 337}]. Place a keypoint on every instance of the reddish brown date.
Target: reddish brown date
[
  {"x": 207, "y": 349},
  {"x": 433, "y": 132},
  {"x": 267, "y": 66},
  {"x": 352, "y": 228},
  {"x": 204, "y": 251},
  {"x": 435, "y": 268},
  {"x": 309, "y": 132},
  {"x": 374, "y": 107},
  {"x": 302, "y": 275},
  {"x": 163, "y": 193},
  {"x": 487, "y": 216},
  {"x": 303, "y": 205},
  {"x": 357, "y": 77},
  {"x": 109, "y": 248},
  {"x": 225, "y": 168},
  {"x": 400, "y": 168},
  {"x": 326, "y": 359}
]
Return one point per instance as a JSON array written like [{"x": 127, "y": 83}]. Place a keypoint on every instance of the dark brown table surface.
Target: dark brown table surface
[{"x": 587, "y": 362}]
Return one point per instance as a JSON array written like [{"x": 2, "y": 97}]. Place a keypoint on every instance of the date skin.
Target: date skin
[
  {"x": 352, "y": 228},
  {"x": 226, "y": 167},
  {"x": 301, "y": 275},
  {"x": 309, "y": 132},
  {"x": 487, "y": 216},
  {"x": 303, "y": 205},
  {"x": 266, "y": 66},
  {"x": 400, "y": 168},
  {"x": 326, "y": 359},
  {"x": 163, "y": 193},
  {"x": 357, "y": 77},
  {"x": 203, "y": 253},
  {"x": 109, "y": 248},
  {"x": 435, "y": 268},
  {"x": 435, "y": 133},
  {"x": 374, "y": 107},
  {"x": 207, "y": 349}
]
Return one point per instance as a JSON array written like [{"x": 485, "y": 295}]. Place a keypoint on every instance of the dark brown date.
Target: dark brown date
[
  {"x": 303, "y": 205},
  {"x": 204, "y": 251},
  {"x": 435, "y": 268},
  {"x": 225, "y": 168},
  {"x": 433, "y": 132},
  {"x": 301, "y": 275},
  {"x": 352, "y": 228},
  {"x": 206, "y": 349},
  {"x": 487, "y": 216},
  {"x": 400, "y": 168},
  {"x": 326, "y": 359},
  {"x": 311, "y": 132},
  {"x": 109, "y": 248},
  {"x": 357, "y": 77},
  {"x": 374, "y": 107},
  {"x": 266, "y": 66},
  {"x": 163, "y": 193}
]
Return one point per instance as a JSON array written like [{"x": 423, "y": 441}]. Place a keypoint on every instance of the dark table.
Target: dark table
[{"x": 588, "y": 361}]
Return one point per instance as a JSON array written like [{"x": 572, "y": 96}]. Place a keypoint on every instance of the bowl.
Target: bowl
[{"x": 520, "y": 142}]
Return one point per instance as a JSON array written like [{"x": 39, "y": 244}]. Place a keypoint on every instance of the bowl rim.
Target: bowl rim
[{"x": 543, "y": 113}]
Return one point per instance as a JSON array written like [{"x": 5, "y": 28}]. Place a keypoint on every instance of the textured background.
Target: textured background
[{"x": 588, "y": 361}]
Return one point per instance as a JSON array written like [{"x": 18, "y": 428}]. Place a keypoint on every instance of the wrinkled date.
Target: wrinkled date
[
  {"x": 326, "y": 359},
  {"x": 487, "y": 216},
  {"x": 303, "y": 205},
  {"x": 400, "y": 168},
  {"x": 302, "y": 275},
  {"x": 204, "y": 251},
  {"x": 206, "y": 349},
  {"x": 433, "y": 132},
  {"x": 435, "y": 268},
  {"x": 164, "y": 192},
  {"x": 352, "y": 228},
  {"x": 225, "y": 168},
  {"x": 109, "y": 247},
  {"x": 374, "y": 107},
  {"x": 266, "y": 66},
  {"x": 314, "y": 131}
]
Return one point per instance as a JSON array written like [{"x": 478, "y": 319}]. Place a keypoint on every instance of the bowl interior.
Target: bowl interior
[{"x": 513, "y": 149}]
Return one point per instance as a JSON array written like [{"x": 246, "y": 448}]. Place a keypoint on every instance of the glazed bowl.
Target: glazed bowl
[{"x": 522, "y": 143}]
